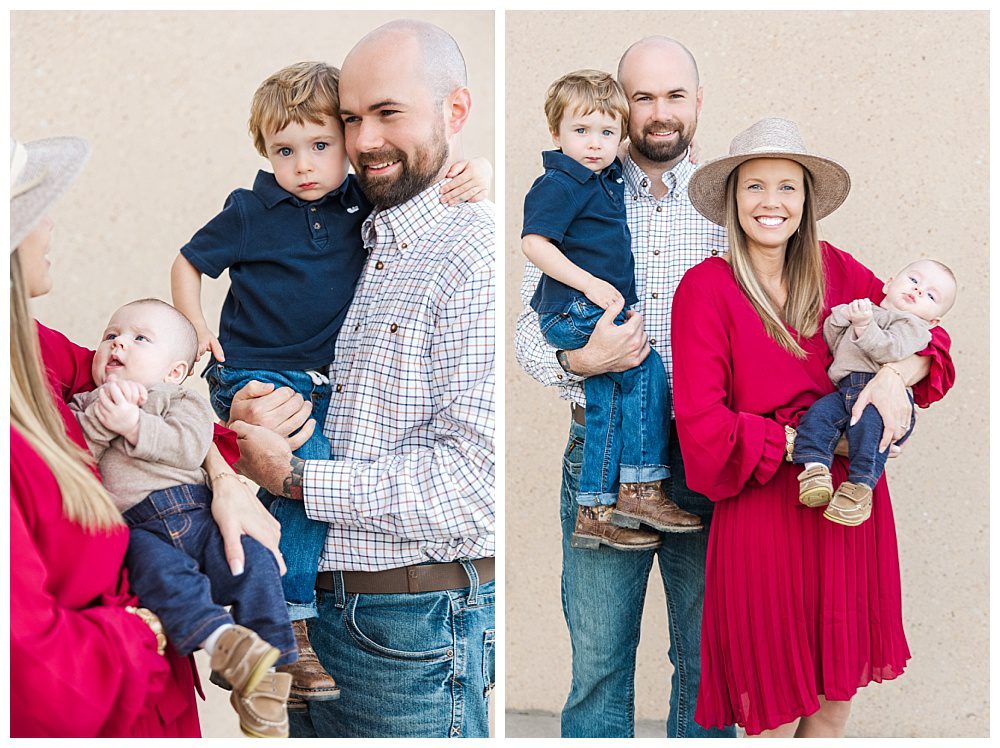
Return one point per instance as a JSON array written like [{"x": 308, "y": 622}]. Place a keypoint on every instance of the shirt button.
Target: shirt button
[
  {"x": 715, "y": 252},
  {"x": 379, "y": 265},
  {"x": 635, "y": 197},
  {"x": 652, "y": 341},
  {"x": 403, "y": 245},
  {"x": 340, "y": 388},
  {"x": 312, "y": 210},
  {"x": 659, "y": 208},
  {"x": 357, "y": 327},
  {"x": 656, "y": 251},
  {"x": 317, "y": 225},
  {"x": 559, "y": 376},
  {"x": 656, "y": 295},
  {"x": 393, "y": 327},
  {"x": 645, "y": 183}
]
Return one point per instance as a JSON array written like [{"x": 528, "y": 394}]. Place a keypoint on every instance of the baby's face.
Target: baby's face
[
  {"x": 922, "y": 288},
  {"x": 309, "y": 160},
  {"x": 139, "y": 344}
]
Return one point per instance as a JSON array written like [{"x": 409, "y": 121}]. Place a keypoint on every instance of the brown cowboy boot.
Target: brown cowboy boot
[
  {"x": 310, "y": 681},
  {"x": 594, "y": 529},
  {"x": 648, "y": 504}
]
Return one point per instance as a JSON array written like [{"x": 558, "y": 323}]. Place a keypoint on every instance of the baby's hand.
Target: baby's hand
[
  {"x": 859, "y": 312},
  {"x": 133, "y": 392},
  {"x": 115, "y": 411},
  {"x": 207, "y": 341},
  {"x": 469, "y": 182},
  {"x": 602, "y": 293}
]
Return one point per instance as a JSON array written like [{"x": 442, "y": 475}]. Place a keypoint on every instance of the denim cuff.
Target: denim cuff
[
  {"x": 642, "y": 473},
  {"x": 595, "y": 499},
  {"x": 300, "y": 612}
]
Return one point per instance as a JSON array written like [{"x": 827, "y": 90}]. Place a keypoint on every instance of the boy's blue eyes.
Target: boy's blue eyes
[
  {"x": 285, "y": 151},
  {"x": 320, "y": 146}
]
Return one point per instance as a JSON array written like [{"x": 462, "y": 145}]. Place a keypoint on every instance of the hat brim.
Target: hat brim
[
  {"x": 51, "y": 167},
  {"x": 707, "y": 188}
]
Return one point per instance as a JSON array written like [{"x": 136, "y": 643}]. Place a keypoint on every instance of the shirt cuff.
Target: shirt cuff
[
  {"x": 772, "y": 453},
  {"x": 326, "y": 491}
]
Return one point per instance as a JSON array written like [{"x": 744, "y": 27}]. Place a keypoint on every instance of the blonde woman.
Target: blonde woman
[
  {"x": 85, "y": 660},
  {"x": 799, "y": 612}
]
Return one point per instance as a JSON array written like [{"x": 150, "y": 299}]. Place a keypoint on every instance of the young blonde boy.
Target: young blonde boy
[{"x": 575, "y": 231}]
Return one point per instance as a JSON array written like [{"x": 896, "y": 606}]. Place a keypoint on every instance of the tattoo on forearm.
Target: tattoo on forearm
[{"x": 292, "y": 486}]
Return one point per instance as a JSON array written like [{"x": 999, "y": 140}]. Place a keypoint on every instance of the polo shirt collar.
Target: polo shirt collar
[
  {"x": 559, "y": 161},
  {"x": 411, "y": 221},
  {"x": 675, "y": 179},
  {"x": 266, "y": 187}
]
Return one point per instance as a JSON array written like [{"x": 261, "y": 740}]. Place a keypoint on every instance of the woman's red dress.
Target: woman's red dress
[
  {"x": 81, "y": 666},
  {"x": 795, "y": 605}
]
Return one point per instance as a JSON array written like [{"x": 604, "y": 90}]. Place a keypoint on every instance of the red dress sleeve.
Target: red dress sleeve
[
  {"x": 941, "y": 376},
  {"x": 723, "y": 449}
]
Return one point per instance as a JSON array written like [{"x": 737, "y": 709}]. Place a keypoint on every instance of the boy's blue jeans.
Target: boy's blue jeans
[
  {"x": 827, "y": 418},
  {"x": 178, "y": 569},
  {"x": 627, "y": 412},
  {"x": 302, "y": 539},
  {"x": 417, "y": 665}
]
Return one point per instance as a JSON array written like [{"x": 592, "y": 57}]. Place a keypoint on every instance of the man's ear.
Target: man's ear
[
  {"x": 178, "y": 373},
  {"x": 698, "y": 98},
  {"x": 457, "y": 108}
]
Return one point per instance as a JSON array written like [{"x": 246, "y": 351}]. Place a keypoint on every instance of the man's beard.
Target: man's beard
[
  {"x": 413, "y": 177},
  {"x": 664, "y": 152}
]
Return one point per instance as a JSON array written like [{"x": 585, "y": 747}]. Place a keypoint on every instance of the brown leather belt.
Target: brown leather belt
[
  {"x": 579, "y": 414},
  {"x": 418, "y": 578}
]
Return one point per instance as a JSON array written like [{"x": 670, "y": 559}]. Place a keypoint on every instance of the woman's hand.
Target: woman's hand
[
  {"x": 895, "y": 450},
  {"x": 238, "y": 512},
  {"x": 887, "y": 392}
]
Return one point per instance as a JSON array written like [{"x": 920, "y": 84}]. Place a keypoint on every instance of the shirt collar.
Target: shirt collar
[
  {"x": 266, "y": 187},
  {"x": 559, "y": 161},
  {"x": 408, "y": 222},
  {"x": 676, "y": 179}
]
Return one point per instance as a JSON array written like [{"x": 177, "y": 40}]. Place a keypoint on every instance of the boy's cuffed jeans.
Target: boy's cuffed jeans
[
  {"x": 178, "y": 569},
  {"x": 302, "y": 539},
  {"x": 603, "y": 592},
  {"x": 409, "y": 665},
  {"x": 627, "y": 412},
  {"x": 821, "y": 427}
]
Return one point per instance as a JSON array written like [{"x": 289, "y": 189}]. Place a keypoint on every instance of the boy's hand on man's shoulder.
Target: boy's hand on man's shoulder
[{"x": 469, "y": 181}]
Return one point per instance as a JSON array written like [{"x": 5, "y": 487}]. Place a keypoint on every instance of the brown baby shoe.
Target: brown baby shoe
[
  {"x": 815, "y": 486},
  {"x": 594, "y": 529},
  {"x": 241, "y": 658},
  {"x": 262, "y": 710},
  {"x": 648, "y": 504},
  {"x": 851, "y": 504},
  {"x": 310, "y": 681}
]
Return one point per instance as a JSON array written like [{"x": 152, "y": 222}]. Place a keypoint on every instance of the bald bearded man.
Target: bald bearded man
[
  {"x": 405, "y": 590},
  {"x": 604, "y": 590}
]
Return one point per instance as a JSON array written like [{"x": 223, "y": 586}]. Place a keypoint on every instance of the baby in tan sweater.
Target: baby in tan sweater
[
  {"x": 150, "y": 436},
  {"x": 863, "y": 337}
]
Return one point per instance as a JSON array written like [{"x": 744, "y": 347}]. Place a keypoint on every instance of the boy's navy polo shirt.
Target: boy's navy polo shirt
[
  {"x": 583, "y": 213},
  {"x": 292, "y": 265}
]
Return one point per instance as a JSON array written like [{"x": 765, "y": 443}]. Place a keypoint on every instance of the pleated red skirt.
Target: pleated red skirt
[{"x": 795, "y": 606}]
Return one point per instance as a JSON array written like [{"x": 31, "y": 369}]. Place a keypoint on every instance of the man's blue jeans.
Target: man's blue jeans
[
  {"x": 626, "y": 412},
  {"x": 821, "y": 427},
  {"x": 302, "y": 539},
  {"x": 409, "y": 665},
  {"x": 603, "y": 593},
  {"x": 178, "y": 569}
]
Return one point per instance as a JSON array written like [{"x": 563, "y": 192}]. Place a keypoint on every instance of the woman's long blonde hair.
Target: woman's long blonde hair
[
  {"x": 802, "y": 274},
  {"x": 34, "y": 414}
]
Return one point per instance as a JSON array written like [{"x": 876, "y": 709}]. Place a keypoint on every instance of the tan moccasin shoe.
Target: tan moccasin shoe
[
  {"x": 851, "y": 504},
  {"x": 241, "y": 658},
  {"x": 815, "y": 486},
  {"x": 263, "y": 710}
]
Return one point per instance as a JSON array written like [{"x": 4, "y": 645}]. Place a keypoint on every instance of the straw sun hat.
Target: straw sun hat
[
  {"x": 40, "y": 171},
  {"x": 768, "y": 138}
]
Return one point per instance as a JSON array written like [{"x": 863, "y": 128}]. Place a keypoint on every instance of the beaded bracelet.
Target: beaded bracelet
[{"x": 150, "y": 619}]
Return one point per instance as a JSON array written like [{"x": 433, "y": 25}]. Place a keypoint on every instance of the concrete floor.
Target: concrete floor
[{"x": 546, "y": 725}]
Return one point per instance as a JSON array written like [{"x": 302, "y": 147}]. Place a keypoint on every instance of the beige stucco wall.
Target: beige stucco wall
[
  {"x": 163, "y": 99},
  {"x": 902, "y": 100}
]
